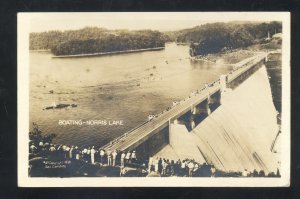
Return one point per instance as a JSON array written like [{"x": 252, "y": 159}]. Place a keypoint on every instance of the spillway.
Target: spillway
[{"x": 238, "y": 135}]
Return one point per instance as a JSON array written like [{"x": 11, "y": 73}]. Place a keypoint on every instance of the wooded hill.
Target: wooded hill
[
  {"x": 215, "y": 37},
  {"x": 204, "y": 39},
  {"x": 95, "y": 40}
]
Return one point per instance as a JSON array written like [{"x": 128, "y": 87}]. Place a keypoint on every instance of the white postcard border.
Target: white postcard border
[{"x": 23, "y": 113}]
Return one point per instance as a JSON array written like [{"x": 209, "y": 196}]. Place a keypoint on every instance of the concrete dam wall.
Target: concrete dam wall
[{"x": 238, "y": 135}]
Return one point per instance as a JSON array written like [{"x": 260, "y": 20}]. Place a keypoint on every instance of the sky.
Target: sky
[{"x": 163, "y": 21}]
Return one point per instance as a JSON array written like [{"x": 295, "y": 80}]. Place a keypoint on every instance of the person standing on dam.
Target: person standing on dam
[
  {"x": 102, "y": 153},
  {"x": 74, "y": 152},
  {"x": 93, "y": 151},
  {"x": 245, "y": 173},
  {"x": 71, "y": 152},
  {"x": 183, "y": 168},
  {"x": 109, "y": 162},
  {"x": 88, "y": 154},
  {"x": 156, "y": 162},
  {"x": 160, "y": 165},
  {"x": 52, "y": 151},
  {"x": 196, "y": 167},
  {"x": 150, "y": 164},
  {"x": 172, "y": 168},
  {"x": 127, "y": 158},
  {"x": 77, "y": 152},
  {"x": 213, "y": 171},
  {"x": 84, "y": 151},
  {"x": 164, "y": 167},
  {"x": 133, "y": 157},
  {"x": 67, "y": 152},
  {"x": 123, "y": 159},
  {"x": 33, "y": 149},
  {"x": 114, "y": 156},
  {"x": 191, "y": 168},
  {"x": 64, "y": 151}
]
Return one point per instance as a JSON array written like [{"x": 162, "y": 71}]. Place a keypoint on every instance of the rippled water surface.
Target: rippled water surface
[{"x": 125, "y": 87}]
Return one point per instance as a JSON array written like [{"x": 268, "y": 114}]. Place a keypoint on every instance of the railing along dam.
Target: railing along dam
[{"x": 149, "y": 137}]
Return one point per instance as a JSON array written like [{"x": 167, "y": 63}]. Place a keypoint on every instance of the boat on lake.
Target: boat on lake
[{"x": 60, "y": 106}]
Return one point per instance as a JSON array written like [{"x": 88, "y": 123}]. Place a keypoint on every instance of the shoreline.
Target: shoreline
[
  {"x": 108, "y": 53},
  {"x": 233, "y": 56}
]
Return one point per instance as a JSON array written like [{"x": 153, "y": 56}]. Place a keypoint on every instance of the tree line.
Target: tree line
[
  {"x": 215, "y": 37},
  {"x": 95, "y": 40},
  {"x": 204, "y": 39}
]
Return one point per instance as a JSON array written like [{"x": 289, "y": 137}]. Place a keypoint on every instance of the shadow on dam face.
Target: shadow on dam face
[
  {"x": 243, "y": 77},
  {"x": 199, "y": 118},
  {"x": 214, "y": 106},
  {"x": 187, "y": 120},
  {"x": 153, "y": 144},
  {"x": 192, "y": 120}
]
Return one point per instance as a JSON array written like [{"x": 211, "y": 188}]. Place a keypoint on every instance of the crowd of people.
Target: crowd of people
[
  {"x": 87, "y": 154},
  {"x": 186, "y": 167},
  {"x": 152, "y": 166}
]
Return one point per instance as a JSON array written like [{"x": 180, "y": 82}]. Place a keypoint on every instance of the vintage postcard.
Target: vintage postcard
[{"x": 168, "y": 99}]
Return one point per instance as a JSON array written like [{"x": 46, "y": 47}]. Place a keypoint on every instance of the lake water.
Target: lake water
[{"x": 125, "y": 87}]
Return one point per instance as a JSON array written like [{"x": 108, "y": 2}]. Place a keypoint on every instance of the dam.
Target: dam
[{"x": 224, "y": 124}]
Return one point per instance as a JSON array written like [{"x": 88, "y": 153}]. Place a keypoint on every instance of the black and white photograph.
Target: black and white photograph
[{"x": 154, "y": 99}]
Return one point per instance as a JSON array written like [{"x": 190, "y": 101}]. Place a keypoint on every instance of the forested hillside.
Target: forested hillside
[
  {"x": 204, "y": 39},
  {"x": 215, "y": 37},
  {"x": 95, "y": 40},
  {"x": 49, "y": 39}
]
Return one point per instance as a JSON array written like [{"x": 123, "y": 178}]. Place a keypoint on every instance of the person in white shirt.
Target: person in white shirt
[
  {"x": 71, "y": 152},
  {"x": 52, "y": 151},
  {"x": 114, "y": 156},
  {"x": 133, "y": 157},
  {"x": 102, "y": 153},
  {"x": 191, "y": 168},
  {"x": 64, "y": 147},
  {"x": 156, "y": 164},
  {"x": 52, "y": 148},
  {"x": 196, "y": 167},
  {"x": 109, "y": 158},
  {"x": 123, "y": 159},
  {"x": 77, "y": 153},
  {"x": 213, "y": 171},
  {"x": 93, "y": 151},
  {"x": 127, "y": 158},
  {"x": 33, "y": 148},
  {"x": 183, "y": 169},
  {"x": 41, "y": 144},
  {"x": 245, "y": 173},
  {"x": 122, "y": 171},
  {"x": 164, "y": 167}
]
